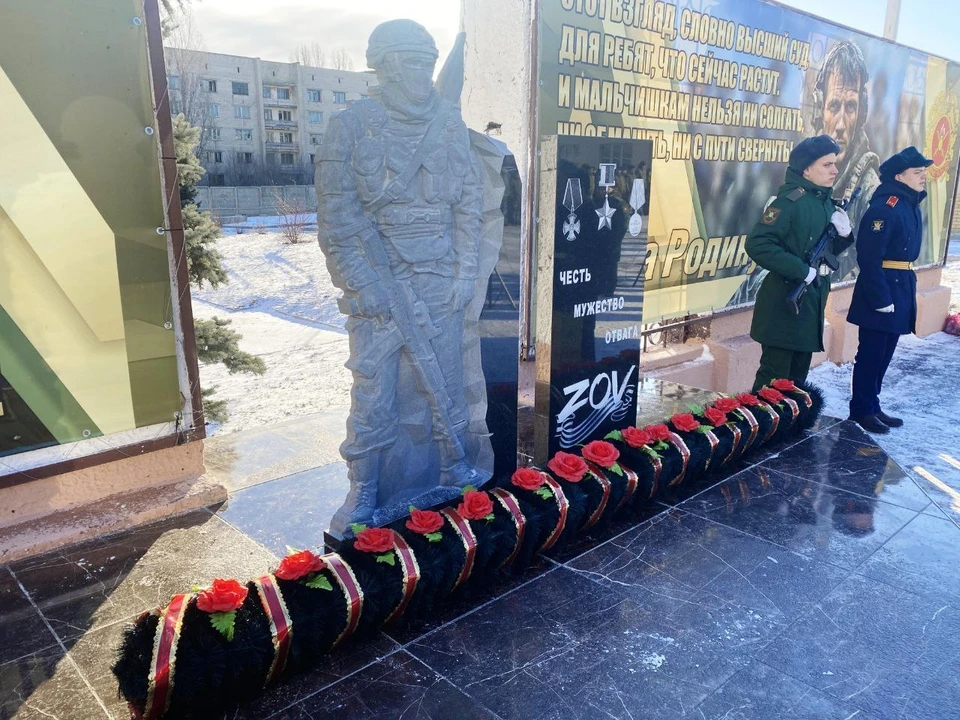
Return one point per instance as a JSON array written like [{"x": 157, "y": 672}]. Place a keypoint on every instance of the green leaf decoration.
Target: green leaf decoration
[
  {"x": 652, "y": 453},
  {"x": 704, "y": 429},
  {"x": 412, "y": 508},
  {"x": 292, "y": 550},
  {"x": 197, "y": 589},
  {"x": 545, "y": 492},
  {"x": 469, "y": 488},
  {"x": 319, "y": 582},
  {"x": 434, "y": 537},
  {"x": 489, "y": 518},
  {"x": 695, "y": 409},
  {"x": 661, "y": 445},
  {"x": 615, "y": 435},
  {"x": 387, "y": 558},
  {"x": 357, "y": 528},
  {"x": 223, "y": 623},
  {"x": 617, "y": 469}
]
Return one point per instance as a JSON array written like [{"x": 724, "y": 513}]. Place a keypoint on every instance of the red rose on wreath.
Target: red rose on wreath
[
  {"x": 222, "y": 596},
  {"x": 635, "y": 437},
  {"x": 374, "y": 540},
  {"x": 568, "y": 466},
  {"x": 784, "y": 385},
  {"x": 601, "y": 452},
  {"x": 659, "y": 433},
  {"x": 714, "y": 416},
  {"x": 527, "y": 479},
  {"x": 748, "y": 400},
  {"x": 684, "y": 422},
  {"x": 770, "y": 395},
  {"x": 476, "y": 505},
  {"x": 424, "y": 522},
  {"x": 298, "y": 565},
  {"x": 726, "y": 404}
]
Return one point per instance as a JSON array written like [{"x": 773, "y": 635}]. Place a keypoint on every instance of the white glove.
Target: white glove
[
  {"x": 887, "y": 309},
  {"x": 841, "y": 221},
  {"x": 810, "y": 276}
]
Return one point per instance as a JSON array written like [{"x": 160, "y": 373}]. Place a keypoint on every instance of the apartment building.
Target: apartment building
[{"x": 262, "y": 120}]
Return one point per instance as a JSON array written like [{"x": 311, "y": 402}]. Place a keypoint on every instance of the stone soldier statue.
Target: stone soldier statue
[{"x": 400, "y": 214}]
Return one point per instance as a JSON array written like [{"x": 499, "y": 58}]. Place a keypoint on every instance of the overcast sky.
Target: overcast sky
[{"x": 271, "y": 29}]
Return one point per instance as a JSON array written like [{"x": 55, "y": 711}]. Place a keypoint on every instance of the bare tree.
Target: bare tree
[
  {"x": 293, "y": 218},
  {"x": 171, "y": 14},
  {"x": 311, "y": 54},
  {"x": 194, "y": 96},
  {"x": 341, "y": 60}
]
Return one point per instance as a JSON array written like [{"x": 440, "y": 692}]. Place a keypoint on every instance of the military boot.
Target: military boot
[{"x": 361, "y": 500}]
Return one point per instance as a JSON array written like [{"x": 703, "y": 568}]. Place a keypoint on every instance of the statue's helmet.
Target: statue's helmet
[{"x": 399, "y": 36}]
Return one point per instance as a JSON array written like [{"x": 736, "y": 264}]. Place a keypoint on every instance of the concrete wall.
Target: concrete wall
[
  {"x": 51, "y": 512},
  {"x": 728, "y": 360},
  {"x": 250, "y": 201}
]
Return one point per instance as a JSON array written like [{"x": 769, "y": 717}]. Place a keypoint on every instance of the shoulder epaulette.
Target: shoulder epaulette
[
  {"x": 795, "y": 194},
  {"x": 893, "y": 200}
]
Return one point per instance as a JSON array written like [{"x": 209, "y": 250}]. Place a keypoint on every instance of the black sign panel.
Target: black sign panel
[{"x": 592, "y": 257}]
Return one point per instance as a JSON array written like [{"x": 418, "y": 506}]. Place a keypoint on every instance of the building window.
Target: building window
[
  {"x": 266, "y": 92},
  {"x": 213, "y": 110},
  {"x": 214, "y": 156},
  {"x": 175, "y": 107},
  {"x": 314, "y": 117},
  {"x": 211, "y": 86},
  {"x": 241, "y": 88},
  {"x": 340, "y": 98},
  {"x": 213, "y": 133},
  {"x": 313, "y": 95},
  {"x": 241, "y": 112},
  {"x": 316, "y": 139},
  {"x": 216, "y": 179},
  {"x": 174, "y": 82},
  {"x": 268, "y": 114},
  {"x": 283, "y": 93},
  {"x": 286, "y": 158},
  {"x": 245, "y": 158},
  {"x": 313, "y": 159},
  {"x": 244, "y": 134},
  {"x": 285, "y": 116},
  {"x": 286, "y": 137}
]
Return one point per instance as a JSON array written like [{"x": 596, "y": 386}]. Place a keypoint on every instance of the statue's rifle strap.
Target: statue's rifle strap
[{"x": 396, "y": 186}]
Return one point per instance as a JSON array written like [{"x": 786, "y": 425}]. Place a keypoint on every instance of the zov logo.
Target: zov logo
[{"x": 591, "y": 404}]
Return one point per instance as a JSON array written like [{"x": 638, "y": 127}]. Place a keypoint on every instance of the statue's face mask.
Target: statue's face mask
[{"x": 413, "y": 72}]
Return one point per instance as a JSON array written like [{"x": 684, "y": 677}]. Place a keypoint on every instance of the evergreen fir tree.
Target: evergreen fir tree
[{"x": 216, "y": 342}]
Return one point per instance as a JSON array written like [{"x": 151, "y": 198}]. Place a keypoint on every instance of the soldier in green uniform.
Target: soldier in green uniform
[{"x": 788, "y": 230}]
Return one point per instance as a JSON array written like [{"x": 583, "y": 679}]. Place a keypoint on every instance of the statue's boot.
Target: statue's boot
[
  {"x": 460, "y": 474},
  {"x": 361, "y": 500}
]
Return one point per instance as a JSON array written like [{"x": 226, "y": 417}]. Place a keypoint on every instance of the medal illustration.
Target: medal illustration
[
  {"x": 638, "y": 196},
  {"x": 572, "y": 199},
  {"x": 608, "y": 173}
]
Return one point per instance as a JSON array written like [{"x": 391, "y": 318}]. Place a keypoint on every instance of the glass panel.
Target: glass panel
[{"x": 86, "y": 338}]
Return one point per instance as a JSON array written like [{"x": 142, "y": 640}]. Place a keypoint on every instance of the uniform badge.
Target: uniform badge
[
  {"x": 770, "y": 216},
  {"x": 877, "y": 225},
  {"x": 893, "y": 200}
]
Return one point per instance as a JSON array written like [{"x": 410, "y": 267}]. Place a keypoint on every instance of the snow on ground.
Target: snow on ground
[
  {"x": 268, "y": 275},
  {"x": 281, "y": 299}
]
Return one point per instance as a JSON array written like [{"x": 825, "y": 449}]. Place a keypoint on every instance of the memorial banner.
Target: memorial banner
[{"x": 724, "y": 90}]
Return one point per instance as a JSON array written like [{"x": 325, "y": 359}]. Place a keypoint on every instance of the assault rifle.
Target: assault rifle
[
  {"x": 820, "y": 255},
  {"x": 412, "y": 318}
]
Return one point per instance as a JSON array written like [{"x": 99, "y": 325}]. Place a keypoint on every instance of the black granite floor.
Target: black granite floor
[{"x": 819, "y": 582}]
